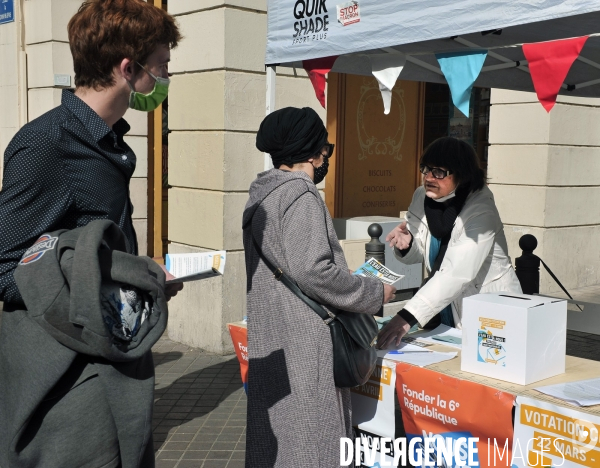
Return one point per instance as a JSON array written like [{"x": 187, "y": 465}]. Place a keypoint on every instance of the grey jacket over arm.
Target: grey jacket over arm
[{"x": 70, "y": 337}]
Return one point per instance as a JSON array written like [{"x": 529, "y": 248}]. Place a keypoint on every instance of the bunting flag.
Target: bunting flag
[
  {"x": 317, "y": 69},
  {"x": 549, "y": 64},
  {"x": 461, "y": 69},
  {"x": 386, "y": 69}
]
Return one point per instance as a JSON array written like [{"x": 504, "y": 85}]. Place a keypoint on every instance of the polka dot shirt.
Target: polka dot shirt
[{"x": 62, "y": 171}]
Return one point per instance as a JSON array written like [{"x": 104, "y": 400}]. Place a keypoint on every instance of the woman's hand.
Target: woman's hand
[
  {"x": 399, "y": 237},
  {"x": 388, "y": 293},
  {"x": 391, "y": 335}
]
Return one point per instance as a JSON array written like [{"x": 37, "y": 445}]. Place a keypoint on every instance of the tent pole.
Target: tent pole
[{"x": 271, "y": 76}]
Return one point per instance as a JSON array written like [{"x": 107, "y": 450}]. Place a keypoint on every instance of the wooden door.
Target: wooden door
[{"x": 374, "y": 169}]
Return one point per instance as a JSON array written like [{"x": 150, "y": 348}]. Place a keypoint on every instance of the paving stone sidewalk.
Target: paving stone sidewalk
[
  {"x": 200, "y": 404},
  {"x": 199, "y": 409}
]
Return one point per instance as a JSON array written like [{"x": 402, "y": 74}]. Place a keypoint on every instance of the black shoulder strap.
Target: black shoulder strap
[{"x": 279, "y": 275}]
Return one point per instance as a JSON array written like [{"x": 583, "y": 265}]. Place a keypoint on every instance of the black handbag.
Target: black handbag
[{"x": 352, "y": 334}]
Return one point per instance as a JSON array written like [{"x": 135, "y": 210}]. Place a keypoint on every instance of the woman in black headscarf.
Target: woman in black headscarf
[
  {"x": 296, "y": 415},
  {"x": 453, "y": 226}
]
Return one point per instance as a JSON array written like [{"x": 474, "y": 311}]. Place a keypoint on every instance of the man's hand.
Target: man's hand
[
  {"x": 172, "y": 289},
  {"x": 399, "y": 237},
  {"x": 388, "y": 293},
  {"x": 391, "y": 335}
]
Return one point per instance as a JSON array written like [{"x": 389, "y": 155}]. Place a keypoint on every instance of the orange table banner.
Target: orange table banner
[
  {"x": 437, "y": 406},
  {"x": 239, "y": 336}
]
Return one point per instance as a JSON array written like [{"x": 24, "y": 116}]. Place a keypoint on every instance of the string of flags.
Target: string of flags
[
  {"x": 548, "y": 64},
  {"x": 317, "y": 69}
]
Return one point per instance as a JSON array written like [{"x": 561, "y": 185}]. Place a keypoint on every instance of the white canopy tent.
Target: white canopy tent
[
  {"x": 420, "y": 29},
  {"x": 410, "y": 33}
]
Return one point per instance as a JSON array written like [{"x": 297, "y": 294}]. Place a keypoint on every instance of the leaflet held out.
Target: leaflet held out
[
  {"x": 374, "y": 269},
  {"x": 195, "y": 266}
]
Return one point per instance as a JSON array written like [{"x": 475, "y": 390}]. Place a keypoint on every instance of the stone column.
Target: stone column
[
  {"x": 544, "y": 170},
  {"x": 216, "y": 103}
]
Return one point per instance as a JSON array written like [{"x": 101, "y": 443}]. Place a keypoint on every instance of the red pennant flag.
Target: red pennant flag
[
  {"x": 549, "y": 63},
  {"x": 317, "y": 69}
]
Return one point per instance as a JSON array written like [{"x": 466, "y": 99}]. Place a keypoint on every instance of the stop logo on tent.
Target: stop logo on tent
[{"x": 348, "y": 13}]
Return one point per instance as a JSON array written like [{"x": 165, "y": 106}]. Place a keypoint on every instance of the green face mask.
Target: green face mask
[{"x": 149, "y": 102}]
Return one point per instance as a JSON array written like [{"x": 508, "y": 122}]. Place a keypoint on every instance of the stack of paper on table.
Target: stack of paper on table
[
  {"x": 420, "y": 359},
  {"x": 580, "y": 393},
  {"x": 195, "y": 266},
  {"x": 414, "y": 355},
  {"x": 442, "y": 334}
]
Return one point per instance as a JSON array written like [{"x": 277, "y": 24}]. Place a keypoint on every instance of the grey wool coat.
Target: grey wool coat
[
  {"x": 72, "y": 394},
  {"x": 296, "y": 415}
]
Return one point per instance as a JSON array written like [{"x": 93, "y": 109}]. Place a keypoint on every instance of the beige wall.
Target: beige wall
[
  {"x": 544, "y": 170},
  {"x": 216, "y": 103},
  {"x": 13, "y": 98}
]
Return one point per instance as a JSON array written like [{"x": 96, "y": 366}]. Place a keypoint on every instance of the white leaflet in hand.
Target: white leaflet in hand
[{"x": 195, "y": 266}]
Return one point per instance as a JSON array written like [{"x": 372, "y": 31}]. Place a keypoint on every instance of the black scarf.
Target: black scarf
[
  {"x": 440, "y": 219},
  {"x": 441, "y": 216}
]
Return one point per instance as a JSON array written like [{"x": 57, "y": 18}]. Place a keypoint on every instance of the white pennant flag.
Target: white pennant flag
[{"x": 387, "y": 68}]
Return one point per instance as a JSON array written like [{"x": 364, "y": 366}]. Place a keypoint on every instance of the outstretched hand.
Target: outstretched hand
[{"x": 399, "y": 237}]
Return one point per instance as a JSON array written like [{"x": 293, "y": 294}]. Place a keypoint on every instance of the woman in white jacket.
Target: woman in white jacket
[{"x": 452, "y": 226}]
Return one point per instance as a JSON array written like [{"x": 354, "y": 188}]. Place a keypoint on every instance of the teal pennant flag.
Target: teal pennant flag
[{"x": 461, "y": 69}]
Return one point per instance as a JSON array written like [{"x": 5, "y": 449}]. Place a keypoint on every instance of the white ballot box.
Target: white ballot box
[
  {"x": 356, "y": 228},
  {"x": 514, "y": 337}
]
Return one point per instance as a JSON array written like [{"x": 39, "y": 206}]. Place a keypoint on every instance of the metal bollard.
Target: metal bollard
[
  {"x": 527, "y": 266},
  {"x": 375, "y": 248}
]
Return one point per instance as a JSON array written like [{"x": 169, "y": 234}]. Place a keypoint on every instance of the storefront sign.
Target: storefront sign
[
  {"x": 7, "y": 11},
  {"x": 380, "y": 152},
  {"x": 550, "y": 435},
  {"x": 435, "y": 405}
]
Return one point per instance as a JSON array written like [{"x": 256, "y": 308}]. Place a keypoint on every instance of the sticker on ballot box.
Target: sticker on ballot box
[{"x": 490, "y": 345}]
